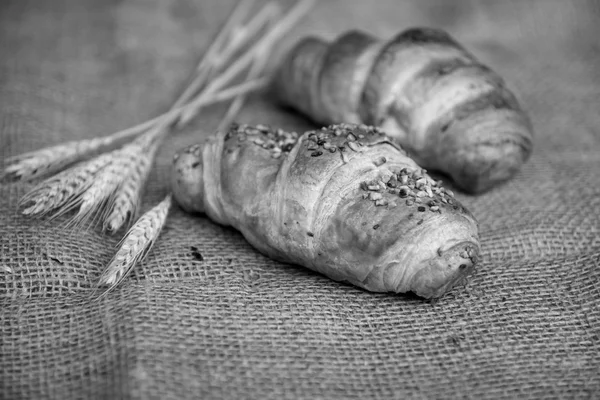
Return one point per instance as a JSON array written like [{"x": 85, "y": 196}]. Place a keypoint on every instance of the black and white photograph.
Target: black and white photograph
[{"x": 299, "y": 199}]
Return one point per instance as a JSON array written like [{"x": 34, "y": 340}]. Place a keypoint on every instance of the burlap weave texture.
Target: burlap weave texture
[{"x": 238, "y": 325}]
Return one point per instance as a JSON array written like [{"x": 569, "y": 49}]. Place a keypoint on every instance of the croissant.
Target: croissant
[
  {"x": 449, "y": 111},
  {"x": 344, "y": 201}
]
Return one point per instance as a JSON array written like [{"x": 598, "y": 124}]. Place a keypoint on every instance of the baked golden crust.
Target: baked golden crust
[{"x": 345, "y": 201}]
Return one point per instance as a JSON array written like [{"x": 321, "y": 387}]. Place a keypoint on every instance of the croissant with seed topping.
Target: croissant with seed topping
[
  {"x": 345, "y": 201},
  {"x": 449, "y": 111}
]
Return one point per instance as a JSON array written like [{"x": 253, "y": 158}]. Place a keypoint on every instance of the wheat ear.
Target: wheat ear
[
  {"x": 44, "y": 162},
  {"x": 126, "y": 200},
  {"x": 62, "y": 188},
  {"x": 95, "y": 203},
  {"x": 136, "y": 244}
]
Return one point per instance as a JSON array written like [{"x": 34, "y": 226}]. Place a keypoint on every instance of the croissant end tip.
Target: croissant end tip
[
  {"x": 187, "y": 183},
  {"x": 446, "y": 270}
]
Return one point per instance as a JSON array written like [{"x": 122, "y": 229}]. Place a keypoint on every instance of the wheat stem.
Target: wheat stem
[
  {"x": 243, "y": 34},
  {"x": 204, "y": 68},
  {"x": 262, "y": 44},
  {"x": 256, "y": 69},
  {"x": 47, "y": 161}
]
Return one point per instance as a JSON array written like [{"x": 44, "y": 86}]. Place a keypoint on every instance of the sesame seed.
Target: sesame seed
[
  {"x": 375, "y": 196},
  {"x": 344, "y": 157},
  {"x": 351, "y": 137},
  {"x": 418, "y": 200},
  {"x": 375, "y": 226},
  {"x": 392, "y": 204},
  {"x": 361, "y": 136},
  {"x": 420, "y": 182},
  {"x": 312, "y": 146},
  {"x": 259, "y": 142},
  {"x": 404, "y": 179},
  {"x": 409, "y": 202},
  {"x": 316, "y": 154},
  {"x": 373, "y": 187},
  {"x": 434, "y": 208},
  {"x": 403, "y": 193},
  {"x": 353, "y": 146},
  {"x": 381, "y": 202},
  {"x": 379, "y": 161},
  {"x": 421, "y": 209},
  {"x": 421, "y": 193},
  {"x": 429, "y": 192},
  {"x": 327, "y": 145},
  {"x": 310, "y": 234},
  {"x": 332, "y": 150}
]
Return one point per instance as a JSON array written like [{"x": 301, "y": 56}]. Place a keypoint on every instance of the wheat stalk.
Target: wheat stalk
[
  {"x": 143, "y": 234},
  {"x": 136, "y": 244},
  {"x": 263, "y": 44},
  {"x": 50, "y": 160},
  {"x": 108, "y": 187}
]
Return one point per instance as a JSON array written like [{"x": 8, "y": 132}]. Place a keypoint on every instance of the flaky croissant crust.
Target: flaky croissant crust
[
  {"x": 345, "y": 201},
  {"x": 448, "y": 110}
]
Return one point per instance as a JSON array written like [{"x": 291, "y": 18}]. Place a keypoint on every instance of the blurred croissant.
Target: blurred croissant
[
  {"x": 345, "y": 201},
  {"x": 449, "y": 111}
]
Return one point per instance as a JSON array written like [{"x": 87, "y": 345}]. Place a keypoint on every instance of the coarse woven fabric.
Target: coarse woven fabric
[{"x": 238, "y": 325}]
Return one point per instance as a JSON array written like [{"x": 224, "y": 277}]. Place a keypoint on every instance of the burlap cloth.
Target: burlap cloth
[{"x": 238, "y": 325}]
